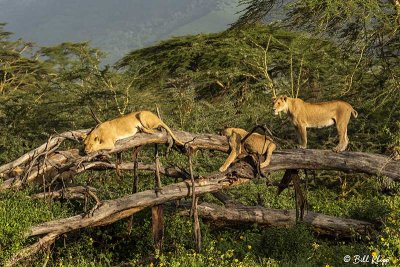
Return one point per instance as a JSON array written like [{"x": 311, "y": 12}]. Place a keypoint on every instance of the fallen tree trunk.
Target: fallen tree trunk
[
  {"x": 58, "y": 163},
  {"x": 50, "y": 144},
  {"x": 56, "y": 168},
  {"x": 319, "y": 223},
  {"x": 316, "y": 159},
  {"x": 71, "y": 162},
  {"x": 113, "y": 210}
]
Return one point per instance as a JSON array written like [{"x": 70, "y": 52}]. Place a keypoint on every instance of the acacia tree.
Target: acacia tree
[
  {"x": 365, "y": 30},
  {"x": 368, "y": 28},
  {"x": 19, "y": 67}
]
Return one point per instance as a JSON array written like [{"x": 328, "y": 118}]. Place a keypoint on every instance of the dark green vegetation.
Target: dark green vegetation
[{"x": 202, "y": 83}]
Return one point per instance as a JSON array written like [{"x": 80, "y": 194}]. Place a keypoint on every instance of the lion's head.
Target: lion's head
[
  {"x": 92, "y": 141},
  {"x": 280, "y": 104},
  {"x": 227, "y": 131}
]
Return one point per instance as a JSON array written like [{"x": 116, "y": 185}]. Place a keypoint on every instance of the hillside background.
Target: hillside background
[{"x": 114, "y": 26}]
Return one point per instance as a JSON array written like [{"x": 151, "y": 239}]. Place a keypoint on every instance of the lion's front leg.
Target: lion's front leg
[
  {"x": 235, "y": 146},
  {"x": 268, "y": 155},
  {"x": 107, "y": 144},
  {"x": 302, "y": 136}
]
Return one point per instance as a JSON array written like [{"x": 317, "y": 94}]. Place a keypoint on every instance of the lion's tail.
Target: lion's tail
[
  {"x": 162, "y": 124},
  {"x": 354, "y": 113}
]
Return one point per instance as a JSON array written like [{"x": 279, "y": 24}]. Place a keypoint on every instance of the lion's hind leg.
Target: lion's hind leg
[
  {"x": 341, "y": 126},
  {"x": 149, "y": 130},
  {"x": 148, "y": 122}
]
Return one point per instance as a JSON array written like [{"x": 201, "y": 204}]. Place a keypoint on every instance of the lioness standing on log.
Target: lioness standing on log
[
  {"x": 316, "y": 115},
  {"x": 255, "y": 143},
  {"x": 105, "y": 134}
]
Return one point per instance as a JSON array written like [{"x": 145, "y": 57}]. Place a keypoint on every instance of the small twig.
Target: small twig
[
  {"x": 157, "y": 171},
  {"x": 190, "y": 152},
  {"x": 354, "y": 70},
  {"x": 135, "y": 155},
  {"x": 291, "y": 73},
  {"x": 94, "y": 116},
  {"x": 96, "y": 198},
  {"x": 299, "y": 76},
  {"x": 195, "y": 199}
]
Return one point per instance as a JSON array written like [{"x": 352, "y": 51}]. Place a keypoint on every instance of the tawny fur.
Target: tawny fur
[
  {"x": 105, "y": 134},
  {"x": 316, "y": 115},
  {"x": 254, "y": 144}
]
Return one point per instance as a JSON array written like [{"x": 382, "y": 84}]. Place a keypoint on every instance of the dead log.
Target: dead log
[
  {"x": 348, "y": 161},
  {"x": 321, "y": 224},
  {"x": 369, "y": 163},
  {"x": 56, "y": 165},
  {"x": 315, "y": 159},
  {"x": 157, "y": 226},
  {"x": 51, "y": 143}
]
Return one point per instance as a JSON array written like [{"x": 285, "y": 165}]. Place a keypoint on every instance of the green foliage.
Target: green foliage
[
  {"x": 210, "y": 63},
  {"x": 17, "y": 214},
  {"x": 387, "y": 243},
  {"x": 280, "y": 244},
  {"x": 19, "y": 69}
]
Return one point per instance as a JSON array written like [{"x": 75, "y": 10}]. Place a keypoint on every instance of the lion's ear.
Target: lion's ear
[
  {"x": 284, "y": 98},
  {"x": 222, "y": 131}
]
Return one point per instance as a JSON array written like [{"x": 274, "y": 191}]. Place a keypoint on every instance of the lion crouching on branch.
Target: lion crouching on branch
[
  {"x": 316, "y": 115},
  {"x": 241, "y": 142},
  {"x": 105, "y": 134}
]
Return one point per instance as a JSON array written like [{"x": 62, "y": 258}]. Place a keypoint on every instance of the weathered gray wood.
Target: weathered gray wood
[
  {"x": 320, "y": 223},
  {"x": 369, "y": 163},
  {"x": 316, "y": 159},
  {"x": 57, "y": 165},
  {"x": 52, "y": 142},
  {"x": 157, "y": 223},
  {"x": 113, "y": 210}
]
